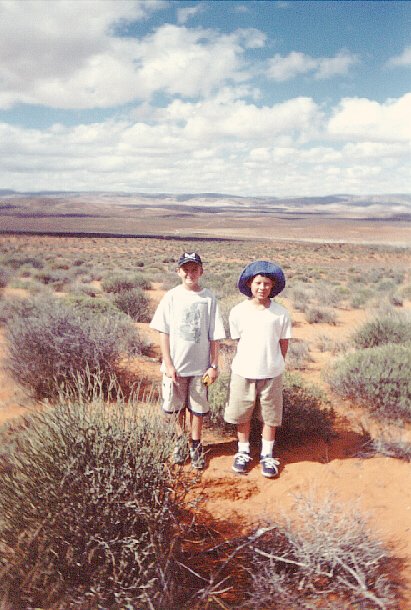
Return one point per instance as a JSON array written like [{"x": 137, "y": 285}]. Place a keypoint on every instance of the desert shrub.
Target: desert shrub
[
  {"x": 135, "y": 304},
  {"x": 361, "y": 298},
  {"x": 300, "y": 297},
  {"x": 328, "y": 553},
  {"x": 88, "y": 305},
  {"x": 316, "y": 315},
  {"x": 386, "y": 328},
  {"x": 387, "y": 446},
  {"x": 90, "y": 512},
  {"x": 15, "y": 261},
  {"x": 378, "y": 378},
  {"x": 54, "y": 343},
  {"x": 396, "y": 300},
  {"x": 306, "y": 411},
  {"x": 4, "y": 278},
  {"x": 327, "y": 295},
  {"x": 327, "y": 344},
  {"x": 120, "y": 283},
  {"x": 58, "y": 280},
  {"x": 217, "y": 397},
  {"x": 298, "y": 355}
]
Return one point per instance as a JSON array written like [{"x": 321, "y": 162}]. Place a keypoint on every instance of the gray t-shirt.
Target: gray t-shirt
[{"x": 192, "y": 320}]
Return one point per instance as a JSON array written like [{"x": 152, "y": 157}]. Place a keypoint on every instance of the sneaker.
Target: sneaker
[
  {"x": 197, "y": 457},
  {"x": 241, "y": 461},
  {"x": 269, "y": 466},
  {"x": 180, "y": 452}
]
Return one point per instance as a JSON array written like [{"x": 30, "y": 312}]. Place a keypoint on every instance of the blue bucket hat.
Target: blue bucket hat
[{"x": 262, "y": 268}]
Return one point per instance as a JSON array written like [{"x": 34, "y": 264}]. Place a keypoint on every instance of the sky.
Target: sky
[{"x": 277, "y": 98}]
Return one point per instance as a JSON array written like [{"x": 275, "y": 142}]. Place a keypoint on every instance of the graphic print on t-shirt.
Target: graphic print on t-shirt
[{"x": 190, "y": 323}]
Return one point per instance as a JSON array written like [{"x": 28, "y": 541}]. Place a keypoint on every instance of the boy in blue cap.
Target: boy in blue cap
[
  {"x": 263, "y": 328},
  {"x": 190, "y": 328}
]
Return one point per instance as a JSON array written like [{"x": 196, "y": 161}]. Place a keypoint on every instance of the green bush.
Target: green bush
[
  {"x": 391, "y": 328},
  {"x": 378, "y": 378},
  {"x": 135, "y": 304},
  {"x": 54, "y": 344},
  {"x": 90, "y": 512},
  {"x": 119, "y": 283}
]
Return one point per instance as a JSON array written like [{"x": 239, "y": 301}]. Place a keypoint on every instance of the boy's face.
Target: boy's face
[
  {"x": 261, "y": 287},
  {"x": 190, "y": 274}
]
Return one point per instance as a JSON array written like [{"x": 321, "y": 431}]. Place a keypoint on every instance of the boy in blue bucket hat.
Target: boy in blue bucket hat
[{"x": 263, "y": 328}]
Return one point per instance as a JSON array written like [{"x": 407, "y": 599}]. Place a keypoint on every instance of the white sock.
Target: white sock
[
  {"x": 243, "y": 447},
  {"x": 267, "y": 447}
]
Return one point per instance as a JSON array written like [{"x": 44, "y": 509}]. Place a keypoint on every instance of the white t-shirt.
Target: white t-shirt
[
  {"x": 192, "y": 320},
  {"x": 259, "y": 330}
]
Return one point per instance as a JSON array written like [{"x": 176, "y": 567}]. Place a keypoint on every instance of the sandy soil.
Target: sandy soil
[{"x": 381, "y": 486}]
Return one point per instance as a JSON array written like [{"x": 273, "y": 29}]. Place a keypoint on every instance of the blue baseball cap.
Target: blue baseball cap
[
  {"x": 262, "y": 268},
  {"x": 188, "y": 257}
]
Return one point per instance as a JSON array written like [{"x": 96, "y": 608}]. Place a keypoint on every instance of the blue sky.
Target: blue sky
[{"x": 239, "y": 97}]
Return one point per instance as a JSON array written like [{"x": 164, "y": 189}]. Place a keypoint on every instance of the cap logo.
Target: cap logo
[{"x": 192, "y": 255}]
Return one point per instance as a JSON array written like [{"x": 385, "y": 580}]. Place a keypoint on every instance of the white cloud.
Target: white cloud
[
  {"x": 221, "y": 144},
  {"x": 283, "y": 68},
  {"x": 402, "y": 60},
  {"x": 51, "y": 55},
  {"x": 362, "y": 119},
  {"x": 184, "y": 14}
]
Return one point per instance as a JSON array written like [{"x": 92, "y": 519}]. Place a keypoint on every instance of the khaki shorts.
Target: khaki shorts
[
  {"x": 187, "y": 392},
  {"x": 264, "y": 396}
]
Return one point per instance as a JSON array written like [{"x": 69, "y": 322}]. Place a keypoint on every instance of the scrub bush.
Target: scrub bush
[
  {"x": 4, "y": 278},
  {"x": 119, "y": 283},
  {"x": 298, "y": 355},
  {"x": 135, "y": 304},
  {"x": 91, "y": 512},
  {"x": 316, "y": 315},
  {"x": 388, "y": 328},
  {"x": 329, "y": 555},
  {"x": 51, "y": 344},
  {"x": 377, "y": 378}
]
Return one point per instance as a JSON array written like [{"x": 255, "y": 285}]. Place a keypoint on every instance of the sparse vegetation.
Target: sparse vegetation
[
  {"x": 383, "y": 329},
  {"x": 328, "y": 554},
  {"x": 54, "y": 343},
  {"x": 378, "y": 378}
]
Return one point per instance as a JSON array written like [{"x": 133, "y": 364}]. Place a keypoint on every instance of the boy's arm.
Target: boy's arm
[
  {"x": 165, "y": 352},
  {"x": 213, "y": 372},
  {"x": 284, "y": 347}
]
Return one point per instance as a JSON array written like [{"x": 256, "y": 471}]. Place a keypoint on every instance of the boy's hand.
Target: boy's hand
[
  {"x": 210, "y": 376},
  {"x": 171, "y": 372}
]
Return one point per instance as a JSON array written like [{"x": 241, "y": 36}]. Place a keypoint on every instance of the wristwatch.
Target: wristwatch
[{"x": 214, "y": 366}]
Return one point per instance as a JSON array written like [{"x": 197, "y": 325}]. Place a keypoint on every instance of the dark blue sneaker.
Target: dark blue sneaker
[
  {"x": 269, "y": 466},
  {"x": 241, "y": 462}
]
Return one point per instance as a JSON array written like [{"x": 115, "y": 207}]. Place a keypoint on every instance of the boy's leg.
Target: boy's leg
[
  {"x": 239, "y": 411},
  {"x": 271, "y": 401},
  {"x": 174, "y": 405},
  {"x": 199, "y": 407}
]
